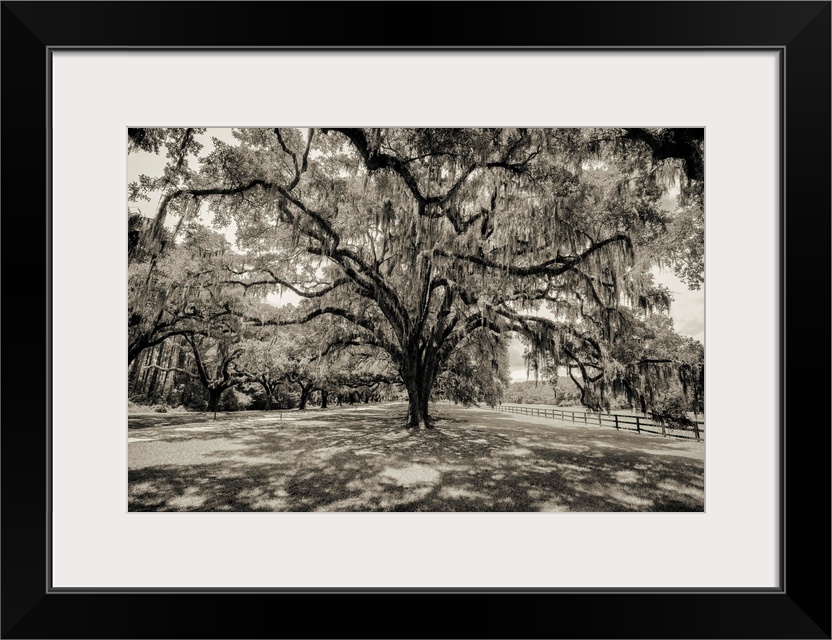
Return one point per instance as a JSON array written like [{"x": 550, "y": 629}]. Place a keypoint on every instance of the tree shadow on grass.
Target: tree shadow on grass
[
  {"x": 362, "y": 414},
  {"x": 361, "y": 461},
  {"x": 149, "y": 420}
]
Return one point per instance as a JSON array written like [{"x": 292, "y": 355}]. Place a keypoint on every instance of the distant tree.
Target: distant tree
[
  {"x": 211, "y": 365},
  {"x": 263, "y": 361},
  {"x": 353, "y": 369},
  {"x": 533, "y": 392},
  {"x": 304, "y": 355},
  {"x": 655, "y": 364}
]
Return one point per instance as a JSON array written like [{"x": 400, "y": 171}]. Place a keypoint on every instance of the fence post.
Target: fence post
[
  {"x": 616, "y": 420},
  {"x": 585, "y": 417},
  {"x": 638, "y": 425},
  {"x": 599, "y": 420},
  {"x": 573, "y": 416},
  {"x": 696, "y": 429}
]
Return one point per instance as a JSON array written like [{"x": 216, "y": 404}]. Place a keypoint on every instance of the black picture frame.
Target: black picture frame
[{"x": 799, "y": 608}]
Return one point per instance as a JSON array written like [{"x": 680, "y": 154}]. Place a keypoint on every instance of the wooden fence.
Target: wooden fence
[{"x": 639, "y": 424}]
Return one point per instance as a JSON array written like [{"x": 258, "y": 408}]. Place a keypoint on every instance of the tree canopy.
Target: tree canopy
[{"x": 430, "y": 247}]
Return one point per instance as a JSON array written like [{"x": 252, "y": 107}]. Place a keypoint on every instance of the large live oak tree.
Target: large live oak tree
[{"x": 426, "y": 240}]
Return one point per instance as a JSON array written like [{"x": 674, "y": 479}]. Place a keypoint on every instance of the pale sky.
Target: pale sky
[{"x": 687, "y": 310}]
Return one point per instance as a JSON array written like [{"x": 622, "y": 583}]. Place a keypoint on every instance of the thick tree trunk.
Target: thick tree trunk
[
  {"x": 417, "y": 409},
  {"x": 418, "y": 384},
  {"x": 214, "y": 399},
  {"x": 324, "y": 397},
  {"x": 268, "y": 403},
  {"x": 304, "y": 396}
]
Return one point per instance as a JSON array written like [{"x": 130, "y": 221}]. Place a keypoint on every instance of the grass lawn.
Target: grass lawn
[{"x": 361, "y": 459}]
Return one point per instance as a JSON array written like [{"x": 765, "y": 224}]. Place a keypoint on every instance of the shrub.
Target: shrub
[
  {"x": 234, "y": 400},
  {"x": 672, "y": 411},
  {"x": 178, "y": 409},
  {"x": 228, "y": 401}
]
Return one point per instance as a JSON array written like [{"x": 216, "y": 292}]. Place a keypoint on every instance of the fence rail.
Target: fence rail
[{"x": 639, "y": 424}]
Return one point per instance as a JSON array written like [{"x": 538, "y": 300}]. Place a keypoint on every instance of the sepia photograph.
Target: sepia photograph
[{"x": 416, "y": 319}]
